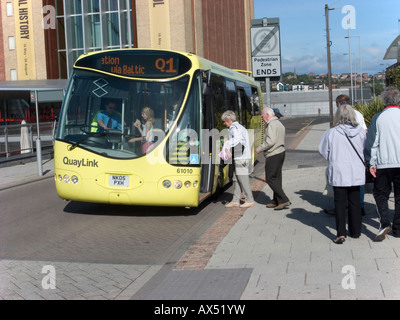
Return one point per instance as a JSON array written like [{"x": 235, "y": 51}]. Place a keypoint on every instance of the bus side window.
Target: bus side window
[
  {"x": 218, "y": 100},
  {"x": 255, "y": 100}
]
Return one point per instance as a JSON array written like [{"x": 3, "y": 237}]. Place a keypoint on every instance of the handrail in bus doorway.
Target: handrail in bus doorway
[{"x": 38, "y": 141}]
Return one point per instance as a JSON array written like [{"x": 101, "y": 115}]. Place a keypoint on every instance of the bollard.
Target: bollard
[{"x": 39, "y": 156}]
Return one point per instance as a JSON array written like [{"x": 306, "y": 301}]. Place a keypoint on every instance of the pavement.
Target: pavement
[{"x": 247, "y": 254}]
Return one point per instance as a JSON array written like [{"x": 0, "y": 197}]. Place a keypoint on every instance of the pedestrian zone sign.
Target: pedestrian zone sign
[{"x": 266, "y": 51}]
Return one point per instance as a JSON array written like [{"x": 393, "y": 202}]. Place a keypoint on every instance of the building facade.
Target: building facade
[
  {"x": 22, "y": 45},
  {"x": 41, "y": 39},
  {"x": 57, "y": 32},
  {"x": 218, "y": 30},
  {"x": 2, "y": 65}
]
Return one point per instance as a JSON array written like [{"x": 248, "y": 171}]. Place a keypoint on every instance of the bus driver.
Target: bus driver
[{"x": 108, "y": 118}]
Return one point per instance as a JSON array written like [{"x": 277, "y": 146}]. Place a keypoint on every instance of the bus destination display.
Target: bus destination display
[{"x": 136, "y": 64}]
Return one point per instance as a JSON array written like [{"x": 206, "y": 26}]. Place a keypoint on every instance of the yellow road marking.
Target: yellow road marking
[{"x": 307, "y": 125}]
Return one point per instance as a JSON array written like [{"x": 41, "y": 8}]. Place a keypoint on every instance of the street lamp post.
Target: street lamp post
[
  {"x": 328, "y": 49},
  {"x": 361, "y": 72},
  {"x": 351, "y": 69}
]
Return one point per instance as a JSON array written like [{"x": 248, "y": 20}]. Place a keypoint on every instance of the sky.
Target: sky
[{"x": 303, "y": 33}]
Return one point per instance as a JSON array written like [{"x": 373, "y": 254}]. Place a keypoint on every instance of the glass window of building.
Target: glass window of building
[
  {"x": 91, "y": 25},
  {"x": 93, "y": 6},
  {"x": 14, "y": 75},
  {"x": 9, "y": 8},
  {"x": 11, "y": 43},
  {"x": 74, "y": 6},
  {"x": 112, "y": 39},
  {"x": 93, "y": 32}
]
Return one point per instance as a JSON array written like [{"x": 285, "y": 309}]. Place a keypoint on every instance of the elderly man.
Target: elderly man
[{"x": 273, "y": 148}]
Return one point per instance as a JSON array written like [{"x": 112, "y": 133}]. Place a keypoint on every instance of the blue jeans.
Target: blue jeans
[{"x": 385, "y": 178}]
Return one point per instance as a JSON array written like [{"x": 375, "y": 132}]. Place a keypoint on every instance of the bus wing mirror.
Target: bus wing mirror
[
  {"x": 206, "y": 89},
  {"x": 206, "y": 82},
  {"x": 207, "y": 77}
]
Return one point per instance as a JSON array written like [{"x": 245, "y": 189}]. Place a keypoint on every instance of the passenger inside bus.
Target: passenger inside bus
[
  {"x": 171, "y": 115},
  {"x": 145, "y": 128}
]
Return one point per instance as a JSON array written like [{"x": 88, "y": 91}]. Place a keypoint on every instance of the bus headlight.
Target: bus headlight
[
  {"x": 67, "y": 178},
  {"x": 187, "y": 184},
  {"x": 74, "y": 179},
  {"x": 166, "y": 184},
  {"x": 60, "y": 177},
  {"x": 195, "y": 183},
  {"x": 178, "y": 184}
]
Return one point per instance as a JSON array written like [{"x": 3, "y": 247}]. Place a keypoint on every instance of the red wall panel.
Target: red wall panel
[{"x": 224, "y": 32}]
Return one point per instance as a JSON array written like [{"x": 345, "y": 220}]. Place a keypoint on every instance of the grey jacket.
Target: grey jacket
[
  {"x": 345, "y": 168},
  {"x": 383, "y": 143},
  {"x": 274, "y": 138}
]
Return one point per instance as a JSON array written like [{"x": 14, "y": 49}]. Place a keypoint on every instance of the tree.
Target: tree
[
  {"x": 393, "y": 76},
  {"x": 368, "y": 110}
]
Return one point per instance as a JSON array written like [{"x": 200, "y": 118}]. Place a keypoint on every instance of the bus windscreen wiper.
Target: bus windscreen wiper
[
  {"x": 74, "y": 145},
  {"x": 112, "y": 133}
]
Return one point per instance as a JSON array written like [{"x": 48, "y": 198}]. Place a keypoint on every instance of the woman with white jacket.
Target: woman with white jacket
[{"x": 346, "y": 172}]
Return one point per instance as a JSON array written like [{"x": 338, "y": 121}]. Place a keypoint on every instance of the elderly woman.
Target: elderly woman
[
  {"x": 342, "y": 146},
  {"x": 239, "y": 142}
]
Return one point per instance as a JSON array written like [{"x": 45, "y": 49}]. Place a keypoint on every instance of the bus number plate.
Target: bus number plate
[{"x": 119, "y": 181}]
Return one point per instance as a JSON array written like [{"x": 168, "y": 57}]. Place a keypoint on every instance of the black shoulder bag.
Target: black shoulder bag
[{"x": 368, "y": 176}]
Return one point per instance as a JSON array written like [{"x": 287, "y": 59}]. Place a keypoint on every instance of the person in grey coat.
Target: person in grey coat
[
  {"x": 383, "y": 155},
  {"x": 346, "y": 172}
]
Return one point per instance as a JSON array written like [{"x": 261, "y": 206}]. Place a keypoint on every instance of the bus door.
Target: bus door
[{"x": 207, "y": 155}]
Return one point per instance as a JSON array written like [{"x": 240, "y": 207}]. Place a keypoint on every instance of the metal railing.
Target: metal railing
[{"x": 20, "y": 139}]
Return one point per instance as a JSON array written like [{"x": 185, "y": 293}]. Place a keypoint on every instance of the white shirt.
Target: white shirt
[
  {"x": 238, "y": 134},
  {"x": 360, "y": 119}
]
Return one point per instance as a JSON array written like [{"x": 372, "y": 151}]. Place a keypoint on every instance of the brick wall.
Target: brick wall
[{"x": 226, "y": 25}]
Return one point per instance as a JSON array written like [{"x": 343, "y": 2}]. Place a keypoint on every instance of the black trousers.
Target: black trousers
[
  {"x": 347, "y": 197},
  {"x": 382, "y": 189},
  {"x": 273, "y": 177}
]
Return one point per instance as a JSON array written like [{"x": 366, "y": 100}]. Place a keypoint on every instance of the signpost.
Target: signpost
[{"x": 266, "y": 52}]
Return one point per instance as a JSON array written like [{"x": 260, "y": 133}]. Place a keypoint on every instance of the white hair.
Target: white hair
[
  {"x": 228, "y": 115},
  {"x": 269, "y": 111}
]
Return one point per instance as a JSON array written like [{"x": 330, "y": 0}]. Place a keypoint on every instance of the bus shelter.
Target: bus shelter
[{"x": 31, "y": 101}]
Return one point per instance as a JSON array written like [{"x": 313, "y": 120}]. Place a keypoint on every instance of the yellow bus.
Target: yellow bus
[{"x": 143, "y": 127}]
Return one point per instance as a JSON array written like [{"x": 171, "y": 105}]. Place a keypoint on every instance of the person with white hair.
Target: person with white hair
[
  {"x": 343, "y": 147},
  {"x": 238, "y": 144},
  {"x": 273, "y": 148}
]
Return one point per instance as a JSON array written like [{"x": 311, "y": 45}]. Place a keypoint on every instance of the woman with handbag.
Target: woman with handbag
[{"x": 342, "y": 146}]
